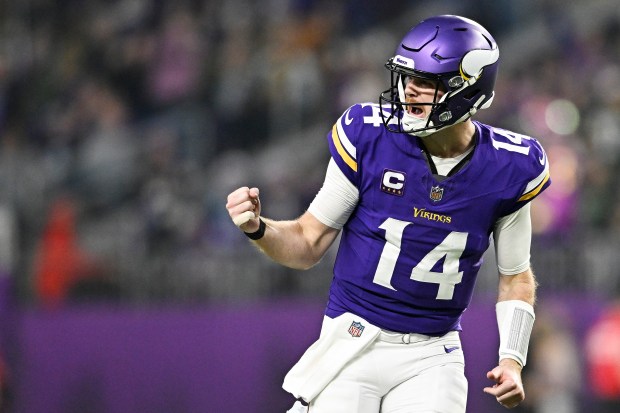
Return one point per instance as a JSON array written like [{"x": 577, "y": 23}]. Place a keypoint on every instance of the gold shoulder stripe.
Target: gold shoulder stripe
[
  {"x": 535, "y": 191},
  {"x": 343, "y": 153}
]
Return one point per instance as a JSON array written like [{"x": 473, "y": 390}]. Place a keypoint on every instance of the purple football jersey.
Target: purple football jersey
[{"x": 411, "y": 250}]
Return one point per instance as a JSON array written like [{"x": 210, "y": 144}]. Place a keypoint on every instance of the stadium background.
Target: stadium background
[{"x": 124, "y": 124}]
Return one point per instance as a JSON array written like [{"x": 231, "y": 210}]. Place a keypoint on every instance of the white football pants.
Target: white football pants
[{"x": 390, "y": 376}]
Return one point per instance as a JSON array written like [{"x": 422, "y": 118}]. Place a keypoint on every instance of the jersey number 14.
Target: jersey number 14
[{"x": 450, "y": 249}]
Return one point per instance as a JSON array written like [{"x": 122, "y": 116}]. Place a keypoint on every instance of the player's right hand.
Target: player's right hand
[{"x": 243, "y": 206}]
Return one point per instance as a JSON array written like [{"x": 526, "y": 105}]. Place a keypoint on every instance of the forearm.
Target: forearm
[
  {"x": 284, "y": 243},
  {"x": 515, "y": 315},
  {"x": 298, "y": 243},
  {"x": 521, "y": 287}
]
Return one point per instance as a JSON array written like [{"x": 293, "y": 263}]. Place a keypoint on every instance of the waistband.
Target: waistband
[{"x": 402, "y": 338}]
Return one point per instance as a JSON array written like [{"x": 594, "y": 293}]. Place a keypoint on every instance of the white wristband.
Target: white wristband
[{"x": 515, "y": 319}]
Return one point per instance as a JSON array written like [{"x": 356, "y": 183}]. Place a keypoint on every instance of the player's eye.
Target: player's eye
[
  {"x": 420, "y": 83},
  {"x": 425, "y": 84}
]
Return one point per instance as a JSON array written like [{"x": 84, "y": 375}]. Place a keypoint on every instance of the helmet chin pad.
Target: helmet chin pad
[
  {"x": 419, "y": 127},
  {"x": 422, "y": 127}
]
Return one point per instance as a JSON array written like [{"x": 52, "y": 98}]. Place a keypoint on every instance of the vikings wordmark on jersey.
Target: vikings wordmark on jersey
[{"x": 412, "y": 248}]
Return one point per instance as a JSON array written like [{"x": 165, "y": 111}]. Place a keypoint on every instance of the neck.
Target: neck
[{"x": 452, "y": 141}]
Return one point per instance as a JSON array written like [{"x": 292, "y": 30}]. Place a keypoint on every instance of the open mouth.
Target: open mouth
[{"x": 416, "y": 111}]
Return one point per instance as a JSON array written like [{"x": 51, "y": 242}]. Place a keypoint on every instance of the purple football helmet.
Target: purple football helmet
[{"x": 457, "y": 54}]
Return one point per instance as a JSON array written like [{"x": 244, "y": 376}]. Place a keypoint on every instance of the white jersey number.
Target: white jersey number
[
  {"x": 450, "y": 249},
  {"x": 516, "y": 139},
  {"x": 376, "y": 119}
]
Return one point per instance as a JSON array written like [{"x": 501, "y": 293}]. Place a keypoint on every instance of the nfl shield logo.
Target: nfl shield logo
[
  {"x": 356, "y": 329},
  {"x": 436, "y": 193}
]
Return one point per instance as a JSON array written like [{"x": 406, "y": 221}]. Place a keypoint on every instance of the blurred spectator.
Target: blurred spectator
[
  {"x": 553, "y": 372},
  {"x": 5, "y": 387},
  {"x": 603, "y": 359},
  {"x": 175, "y": 70},
  {"x": 106, "y": 170},
  {"x": 60, "y": 262}
]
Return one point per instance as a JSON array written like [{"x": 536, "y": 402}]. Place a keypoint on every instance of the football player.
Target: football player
[{"x": 417, "y": 189}]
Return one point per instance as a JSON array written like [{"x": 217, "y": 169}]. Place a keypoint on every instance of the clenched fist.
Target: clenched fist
[{"x": 243, "y": 206}]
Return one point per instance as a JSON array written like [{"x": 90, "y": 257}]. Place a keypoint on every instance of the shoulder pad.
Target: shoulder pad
[
  {"x": 526, "y": 162},
  {"x": 344, "y": 137},
  {"x": 537, "y": 169},
  {"x": 348, "y": 132}
]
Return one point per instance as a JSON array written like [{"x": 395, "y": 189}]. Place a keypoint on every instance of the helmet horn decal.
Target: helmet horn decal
[{"x": 475, "y": 60}]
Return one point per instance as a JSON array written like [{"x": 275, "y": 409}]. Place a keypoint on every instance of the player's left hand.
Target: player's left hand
[{"x": 508, "y": 387}]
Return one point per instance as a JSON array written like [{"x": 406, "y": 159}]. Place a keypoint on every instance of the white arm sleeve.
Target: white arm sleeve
[
  {"x": 513, "y": 237},
  {"x": 336, "y": 200}
]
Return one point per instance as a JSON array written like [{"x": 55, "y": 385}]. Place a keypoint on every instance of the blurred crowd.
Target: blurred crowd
[{"x": 124, "y": 124}]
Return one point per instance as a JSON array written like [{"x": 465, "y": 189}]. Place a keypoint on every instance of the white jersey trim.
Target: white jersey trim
[
  {"x": 343, "y": 136},
  {"x": 540, "y": 178}
]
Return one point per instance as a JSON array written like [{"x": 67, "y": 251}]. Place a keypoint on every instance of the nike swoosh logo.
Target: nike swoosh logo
[
  {"x": 347, "y": 119},
  {"x": 450, "y": 349},
  {"x": 543, "y": 157}
]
